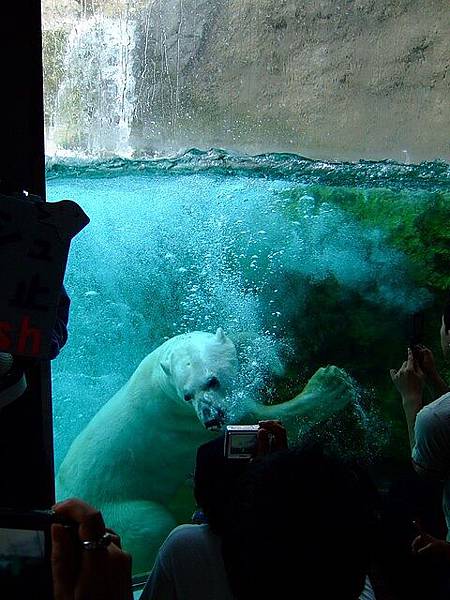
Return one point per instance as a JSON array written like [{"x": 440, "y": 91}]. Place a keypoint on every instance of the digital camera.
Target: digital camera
[
  {"x": 241, "y": 441},
  {"x": 25, "y": 552}
]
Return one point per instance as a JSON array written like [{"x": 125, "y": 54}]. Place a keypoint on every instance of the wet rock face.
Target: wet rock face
[
  {"x": 339, "y": 79},
  {"x": 169, "y": 40},
  {"x": 343, "y": 79}
]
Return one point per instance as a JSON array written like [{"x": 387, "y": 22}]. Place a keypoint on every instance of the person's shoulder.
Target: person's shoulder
[
  {"x": 442, "y": 403},
  {"x": 432, "y": 438},
  {"x": 439, "y": 407},
  {"x": 187, "y": 528},
  {"x": 188, "y": 532},
  {"x": 192, "y": 539},
  {"x": 436, "y": 414}
]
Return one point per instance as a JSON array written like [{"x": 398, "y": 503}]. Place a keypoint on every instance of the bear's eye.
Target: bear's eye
[
  {"x": 188, "y": 397},
  {"x": 212, "y": 383}
]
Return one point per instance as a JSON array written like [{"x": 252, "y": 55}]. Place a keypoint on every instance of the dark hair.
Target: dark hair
[
  {"x": 299, "y": 526},
  {"x": 215, "y": 479}
]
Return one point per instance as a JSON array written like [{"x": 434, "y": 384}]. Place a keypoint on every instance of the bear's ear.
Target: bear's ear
[
  {"x": 220, "y": 336},
  {"x": 165, "y": 366}
]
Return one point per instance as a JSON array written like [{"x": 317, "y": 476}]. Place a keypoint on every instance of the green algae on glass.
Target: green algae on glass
[{"x": 415, "y": 221}]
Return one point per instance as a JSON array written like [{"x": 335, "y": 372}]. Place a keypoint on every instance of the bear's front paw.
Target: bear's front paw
[
  {"x": 331, "y": 389},
  {"x": 330, "y": 377}
]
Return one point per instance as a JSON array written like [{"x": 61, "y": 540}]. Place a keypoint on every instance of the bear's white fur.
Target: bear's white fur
[{"x": 138, "y": 451}]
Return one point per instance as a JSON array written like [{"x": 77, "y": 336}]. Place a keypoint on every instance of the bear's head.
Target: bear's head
[{"x": 202, "y": 367}]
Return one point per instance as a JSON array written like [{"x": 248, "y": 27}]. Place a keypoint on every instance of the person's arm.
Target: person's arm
[
  {"x": 409, "y": 381},
  {"x": 103, "y": 572},
  {"x": 411, "y": 407},
  {"x": 426, "y": 362}
]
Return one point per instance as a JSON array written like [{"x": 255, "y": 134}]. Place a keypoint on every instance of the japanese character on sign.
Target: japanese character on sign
[{"x": 34, "y": 245}]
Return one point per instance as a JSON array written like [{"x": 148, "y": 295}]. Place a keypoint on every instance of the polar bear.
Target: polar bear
[{"x": 138, "y": 451}]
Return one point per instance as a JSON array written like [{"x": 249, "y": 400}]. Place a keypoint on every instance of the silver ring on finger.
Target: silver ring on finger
[{"x": 99, "y": 544}]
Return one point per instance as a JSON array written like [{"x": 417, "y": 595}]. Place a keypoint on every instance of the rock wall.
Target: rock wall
[
  {"x": 343, "y": 79},
  {"x": 336, "y": 79}
]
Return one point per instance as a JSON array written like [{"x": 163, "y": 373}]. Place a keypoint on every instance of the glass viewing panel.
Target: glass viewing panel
[{"x": 179, "y": 128}]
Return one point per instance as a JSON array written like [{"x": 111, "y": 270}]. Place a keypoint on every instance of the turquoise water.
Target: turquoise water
[{"x": 304, "y": 263}]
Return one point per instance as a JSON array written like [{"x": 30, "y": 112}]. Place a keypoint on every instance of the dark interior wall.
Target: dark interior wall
[
  {"x": 26, "y": 454},
  {"x": 22, "y": 141}
]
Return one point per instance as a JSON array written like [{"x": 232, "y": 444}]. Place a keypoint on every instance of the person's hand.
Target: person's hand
[
  {"x": 80, "y": 574},
  {"x": 409, "y": 381},
  {"x": 425, "y": 359},
  {"x": 445, "y": 338},
  {"x": 427, "y": 545},
  {"x": 272, "y": 436}
]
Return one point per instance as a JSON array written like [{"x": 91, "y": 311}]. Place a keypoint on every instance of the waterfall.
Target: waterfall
[{"x": 95, "y": 101}]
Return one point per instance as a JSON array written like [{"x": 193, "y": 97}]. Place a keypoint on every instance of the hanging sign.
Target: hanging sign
[{"x": 35, "y": 238}]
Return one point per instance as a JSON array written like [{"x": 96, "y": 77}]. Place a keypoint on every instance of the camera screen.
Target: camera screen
[
  {"x": 21, "y": 552},
  {"x": 243, "y": 443}
]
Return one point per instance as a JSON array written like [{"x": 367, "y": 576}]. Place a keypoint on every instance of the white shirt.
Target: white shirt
[
  {"x": 189, "y": 566},
  {"x": 431, "y": 451}
]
